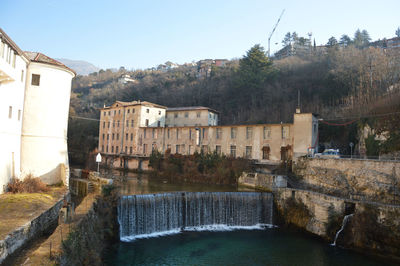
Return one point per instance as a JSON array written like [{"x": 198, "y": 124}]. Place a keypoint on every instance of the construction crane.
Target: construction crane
[{"x": 273, "y": 30}]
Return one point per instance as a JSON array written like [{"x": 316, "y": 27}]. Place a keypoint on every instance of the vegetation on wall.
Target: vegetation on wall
[{"x": 206, "y": 168}]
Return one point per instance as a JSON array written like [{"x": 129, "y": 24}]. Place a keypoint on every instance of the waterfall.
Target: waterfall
[
  {"x": 345, "y": 219},
  {"x": 158, "y": 214}
]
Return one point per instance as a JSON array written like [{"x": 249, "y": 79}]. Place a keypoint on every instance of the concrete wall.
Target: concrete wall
[
  {"x": 351, "y": 178},
  {"x": 202, "y": 117},
  {"x": 262, "y": 181},
  {"x": 45, "y": 123}
]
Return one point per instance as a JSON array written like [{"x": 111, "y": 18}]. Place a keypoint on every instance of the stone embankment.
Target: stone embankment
[
  {"x": 326, "y": 190},
  {"x": 29, "y": 231},
  {"x": 371, "y": 180}
]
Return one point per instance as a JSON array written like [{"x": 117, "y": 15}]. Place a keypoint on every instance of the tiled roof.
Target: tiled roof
[
  {"x": 41, "y": 58},
  {"x": 190, "y": 108}
]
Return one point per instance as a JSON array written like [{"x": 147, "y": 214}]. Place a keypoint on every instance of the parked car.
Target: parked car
[{"x": 329, "y": 153}]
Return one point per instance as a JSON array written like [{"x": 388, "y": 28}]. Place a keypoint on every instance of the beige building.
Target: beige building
[
  {"x": 191, "y": 116},
  {"x": 127, "y": 143}
]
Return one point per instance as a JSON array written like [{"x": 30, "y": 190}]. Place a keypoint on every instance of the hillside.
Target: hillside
[
  {"x": 81, "y": 67},
  {"x": 337, "y": 84}
]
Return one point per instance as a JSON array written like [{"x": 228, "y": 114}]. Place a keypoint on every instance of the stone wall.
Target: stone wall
[
  {"x": 351, "y": 178},
  {"x": 29, "y": 231},
  {"x": 319, "y": 207},
  {"x": 266, "y": 182}
]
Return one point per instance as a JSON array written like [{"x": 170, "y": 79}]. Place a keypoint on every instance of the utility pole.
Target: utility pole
[{"x": 273, "y": 30}]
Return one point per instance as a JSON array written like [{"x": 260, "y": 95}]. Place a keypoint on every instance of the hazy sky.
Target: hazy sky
[{"x": 141, "y": 34}]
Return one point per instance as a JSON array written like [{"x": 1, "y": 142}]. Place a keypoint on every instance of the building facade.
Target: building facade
[
  {"x": 34, "y": 115},
  {"x": 191, "y": 116},
  {"x": 268, "y": 143}
]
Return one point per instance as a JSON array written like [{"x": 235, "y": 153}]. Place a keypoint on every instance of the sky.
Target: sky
[{"x": 146, "y": 33}]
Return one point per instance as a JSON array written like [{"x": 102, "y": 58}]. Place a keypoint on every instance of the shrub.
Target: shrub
[{"x": 30, "y": 184}]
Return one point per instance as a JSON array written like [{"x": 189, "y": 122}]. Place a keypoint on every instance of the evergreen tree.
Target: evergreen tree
[
  {"x": 345, "y": 40},
  {"x": 287, "y": 39},
  {"x": 398, "y": 32},
  {"x": 332, "y": 42}
]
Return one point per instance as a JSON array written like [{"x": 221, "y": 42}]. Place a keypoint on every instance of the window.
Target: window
[
  {"x": 169, "y": 147},
  {"x": 198, "y": 114},
  {"x": 233, "y": 132},
  {"x": 158, "y": 123},
  {"x": 131, "y": 136},
  {"x": 249, "y": 132},
  {"x": 131, "y": 123},
  {"x": 266, "y": 151},
  {"x": 108, "y": 124},
  {"x": 108, "y": 136},
  {"x": 248, "y": 152},
  {"x": 204, "y": 148},
  {"x": 22, "y": 75},
  {"x": 10, "y": 112},
  {"x": 115, "y": 112},
  {"x": 144, "y": 148},
  {"x": 147, "y": 110},
  {"x": 126, "y": 149},
  {"x": 129, "y": 110},
  {"x": 177, "y": 133},
  {"x": 190, "y": 133},
  {"x": 144, "y": 133},
  {"x": 102, "y": 148},
  {"x": 133, "y": 110},
  {"x": 113, "y": 135},
  {"x": 13, "y": 60},
  {"x": 116, "y": 149},
  {"x": 315, "y": 128},
  {"x": 218, "y": 149},
  {"x": 153, "y": 133},
  {"x": 147, "y": 122},
  {"x": 112, "y": 149},
  {"x": 168, "y": 133},
  {"x": 186, "y": 114},
  {"x": 127, "y": 123},
  {"x": 119, "y": 111},
  {"x": 159, "y": 112},
  {"x": 117, "y": 136},
  {"x": 190, "y": 149},
  {"x": 204, "y": 133},
  {"x": 126, "y": 136},
  {"x": 19, "y": 115},
  {"x": 285, "y": 132},
  {"x": 182, "y": 149},
  {"x": 104, "y": 124},
  {"x": 267, "y": 133},
  {"x": 104, "y": 135},
  {"x": 177, "y": 148},
  {"x": 109, "y": 112},
  {"x": 107, "y": 148},
  {"x": 176, "y": 115},
  {"x": 118, "y": 123},
  {"x": 35, "y": 80},
  {"x": 130, "y": 150},
  {"x": 233, "y": 150},
  {"x": 219, "y": 133},
  {"x": 113, "y": 124}
]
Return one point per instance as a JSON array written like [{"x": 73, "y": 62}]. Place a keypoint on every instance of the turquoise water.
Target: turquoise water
[{"x": 243, "y": 247}]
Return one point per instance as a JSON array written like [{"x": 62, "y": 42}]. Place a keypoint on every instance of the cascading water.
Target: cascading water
[
  {"x": 157, "y": 214},
  {"x": 345, "y": 219}
]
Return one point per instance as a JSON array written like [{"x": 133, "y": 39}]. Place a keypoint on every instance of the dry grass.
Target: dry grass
[
  {"x": 19, "y": 208},
  {"x": 30, "y": 184}
]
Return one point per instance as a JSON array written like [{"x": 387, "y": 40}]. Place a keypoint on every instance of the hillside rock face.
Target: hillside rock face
[
  {"x": 353, "y": 179},
  {"x": 80, "y": 67}
]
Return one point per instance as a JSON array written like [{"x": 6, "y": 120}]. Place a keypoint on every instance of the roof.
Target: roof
[
  {"x": 11, "y": 43},
  {"x": 41, "y": 58},
  {"x": 132, "y": 103},
  {"x": 190, "y": 108}
]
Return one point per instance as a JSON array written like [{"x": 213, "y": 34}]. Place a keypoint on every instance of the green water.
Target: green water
[{"x": 251, "y": 247}]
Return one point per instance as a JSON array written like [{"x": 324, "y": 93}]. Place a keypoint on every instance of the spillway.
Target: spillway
[{"x": 166, "y": 213}]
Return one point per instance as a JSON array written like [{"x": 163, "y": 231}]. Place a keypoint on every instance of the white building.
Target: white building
[{"x": 33, "y": 115}]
